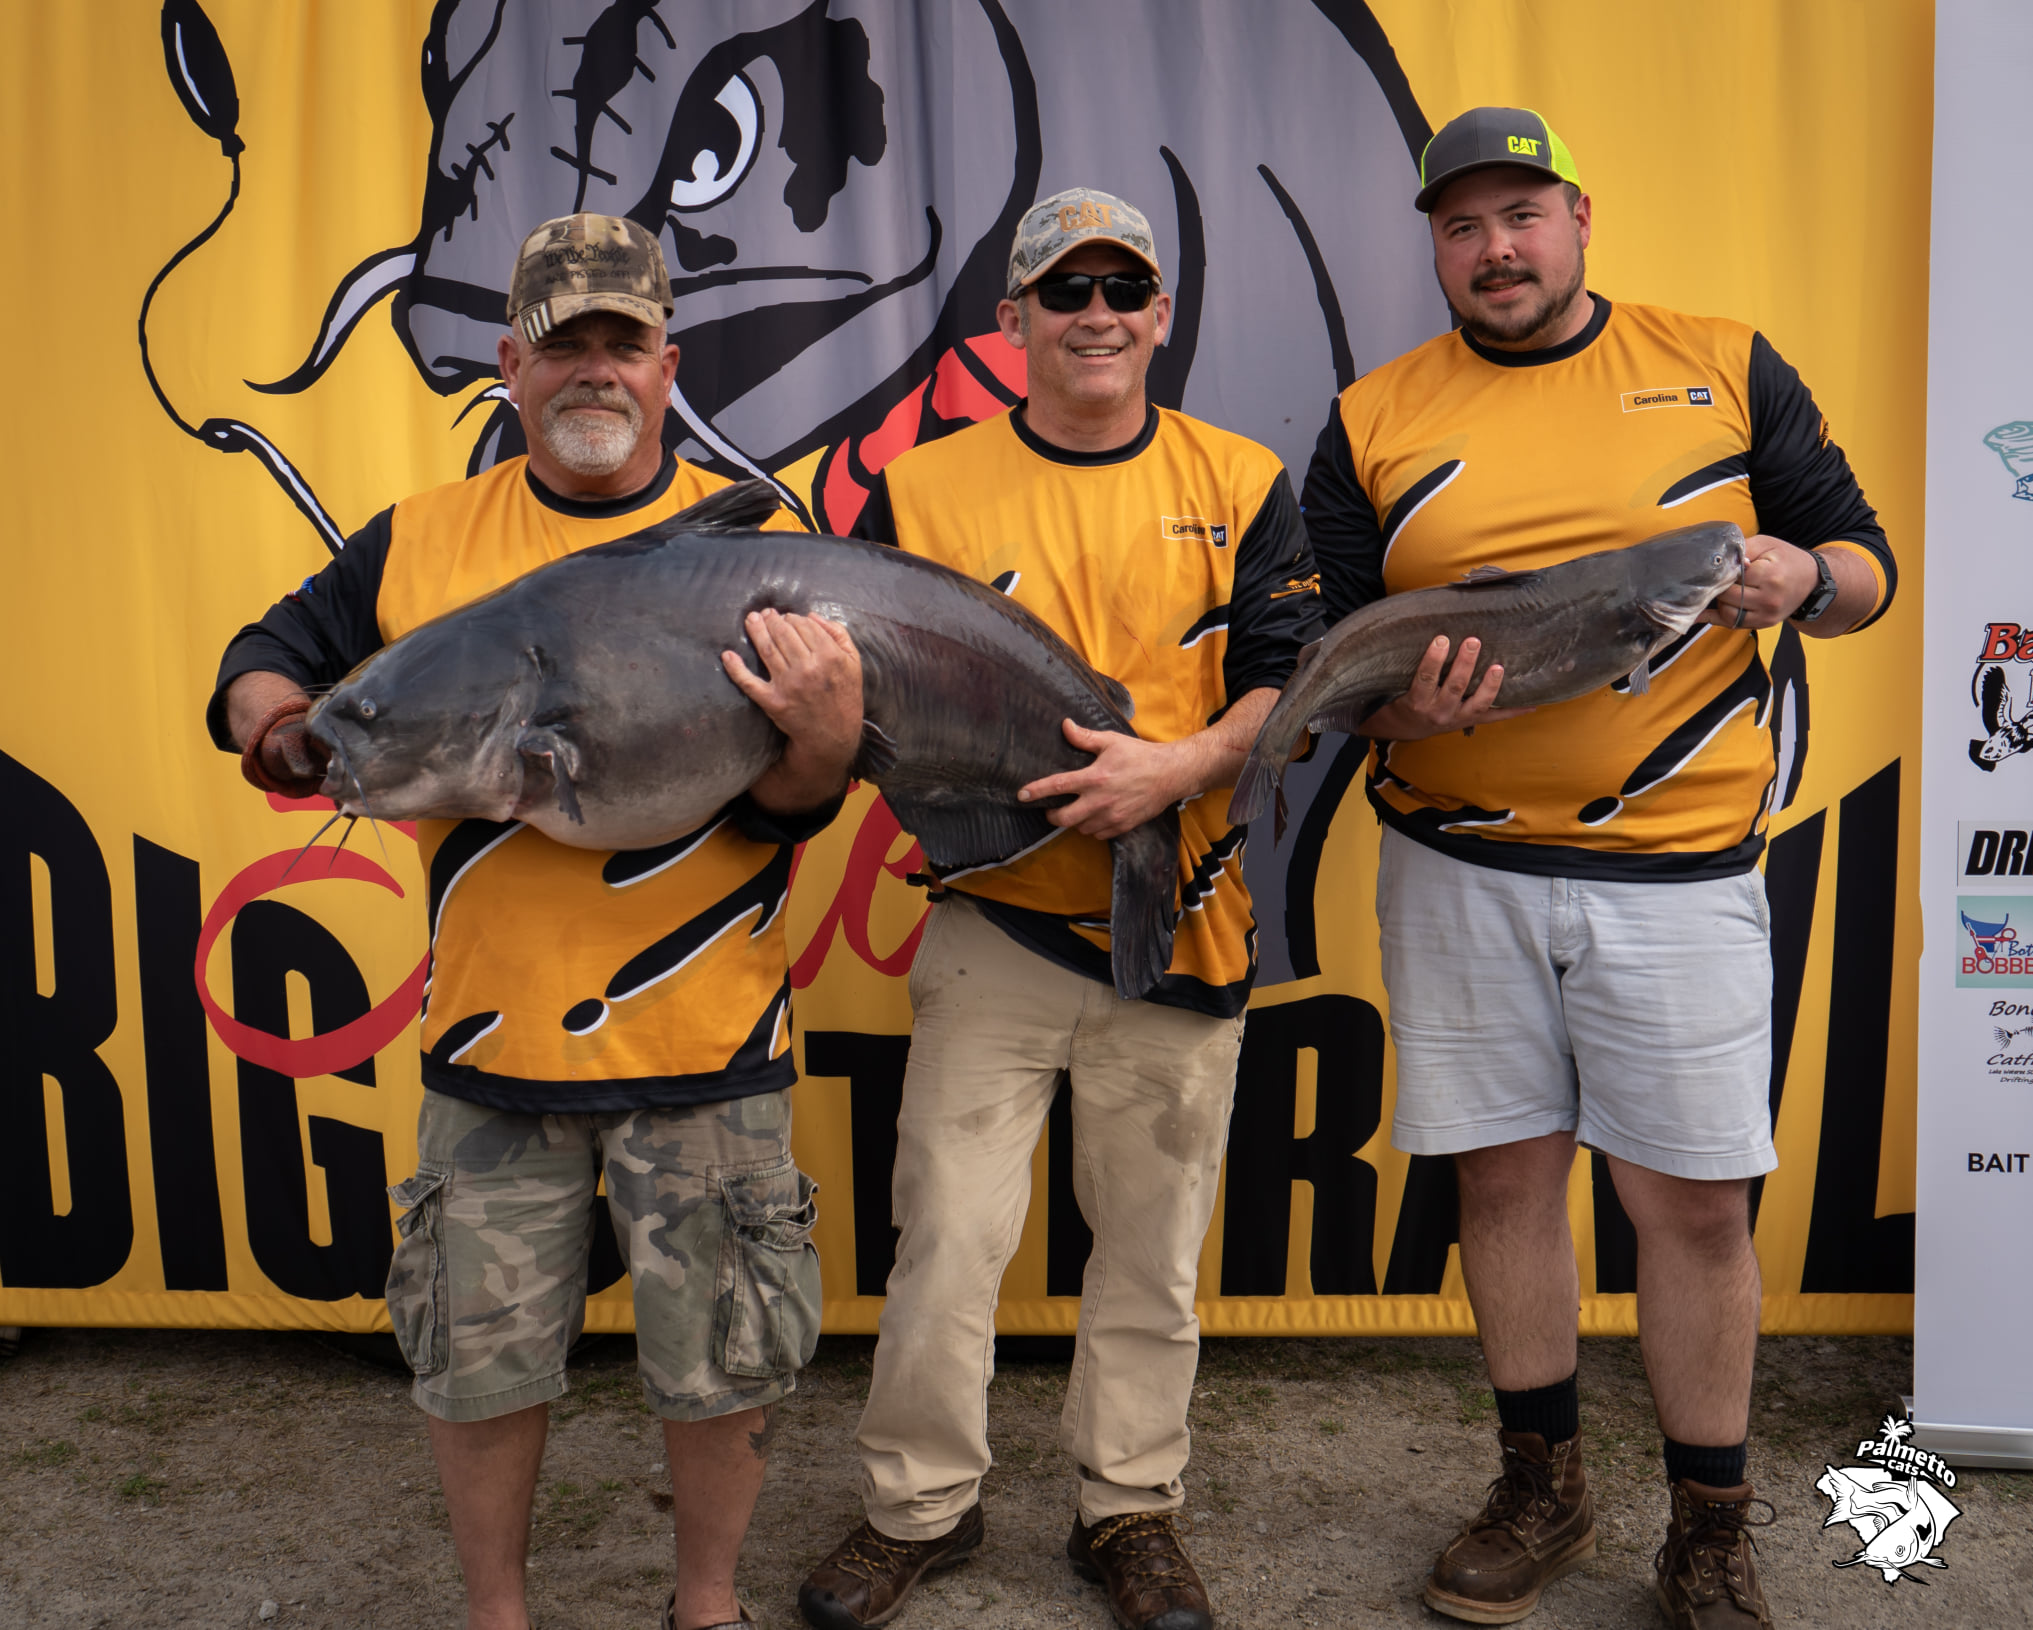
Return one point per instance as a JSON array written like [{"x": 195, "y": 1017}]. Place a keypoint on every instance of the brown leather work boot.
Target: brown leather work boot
[
  {"x": 870, "y": 1576},
  {"x": 1537, "y": 1524},
  {"x": 1707, "y": 1579},
  {"x": 1138, "y": 1559}
]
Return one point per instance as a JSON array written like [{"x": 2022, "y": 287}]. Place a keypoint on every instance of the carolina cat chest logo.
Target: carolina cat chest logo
[
  {"x": 1663, "y": 396},
  {"x": 1192, "y": 529},
  {"x": 1899, "y": 1515}
]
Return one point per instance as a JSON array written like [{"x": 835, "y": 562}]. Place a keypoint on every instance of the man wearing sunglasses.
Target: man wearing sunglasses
[
  {"x": 1171, "y": 555},
  {"x": 1574, "y": 933}
]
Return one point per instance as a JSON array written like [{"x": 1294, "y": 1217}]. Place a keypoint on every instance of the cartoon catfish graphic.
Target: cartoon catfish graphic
[{"x": 1897, "y": 1522}]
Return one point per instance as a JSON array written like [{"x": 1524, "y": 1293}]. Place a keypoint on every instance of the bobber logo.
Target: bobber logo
[
  {"x": 1990, "y": 949},
  {"x": 1899, "y": 1515}
]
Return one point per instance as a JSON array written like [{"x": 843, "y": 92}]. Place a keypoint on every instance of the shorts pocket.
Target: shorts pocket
[
  {"x": 418, "y": 1295},
  {"x": 767, "y": 1301}
]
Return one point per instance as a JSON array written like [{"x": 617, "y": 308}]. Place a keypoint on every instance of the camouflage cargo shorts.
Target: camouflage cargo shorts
[{"x": 487, "y": 1291}]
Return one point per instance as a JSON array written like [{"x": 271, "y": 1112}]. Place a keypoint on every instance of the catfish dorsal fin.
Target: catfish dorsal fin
[
  {"x": 733, "y": 508},
  {"x": 1482, "y": 575},
  {"x": 1308, "y": 655}
]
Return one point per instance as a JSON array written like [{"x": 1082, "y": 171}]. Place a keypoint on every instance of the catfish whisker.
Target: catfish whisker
[
  {"x": 360, "y": 797},
  {"x": 306, "y": 849},
  {"x": 351, "y": 822}
]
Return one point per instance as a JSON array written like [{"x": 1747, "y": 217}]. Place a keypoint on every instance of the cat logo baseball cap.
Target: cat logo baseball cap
[
  {"x": 1483, "y": 138},
  {"x": 581, "y": 263},
  {"x": 1054, "y": 227}
]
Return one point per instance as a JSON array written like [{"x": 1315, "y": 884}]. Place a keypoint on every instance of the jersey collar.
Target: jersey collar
[
  {"x": 1552, "y": 353},
  {"x": 595, "y": 509},
  {"x": 1066, "y": 455}
]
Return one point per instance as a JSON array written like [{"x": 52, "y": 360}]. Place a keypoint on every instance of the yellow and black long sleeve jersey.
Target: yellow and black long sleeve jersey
[
  {"x": 1176, "y": 565},
  {"x": 561, "y": 979},
  {"x": 1456, "y": 456}
]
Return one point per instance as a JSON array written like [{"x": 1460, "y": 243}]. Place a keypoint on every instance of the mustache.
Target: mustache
[
  {"x": 1508, "y": 274},
  {"x": 612, "y": 397}
]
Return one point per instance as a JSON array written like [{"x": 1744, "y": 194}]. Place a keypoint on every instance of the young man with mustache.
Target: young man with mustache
[
  {"x": 678, "y": 1093},
  {"x": 1170, "y": 555},
  {"x": 1585, "y": 872}
]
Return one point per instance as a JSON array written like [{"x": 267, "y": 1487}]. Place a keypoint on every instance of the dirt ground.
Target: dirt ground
[{"x": 224, "y": 1479}]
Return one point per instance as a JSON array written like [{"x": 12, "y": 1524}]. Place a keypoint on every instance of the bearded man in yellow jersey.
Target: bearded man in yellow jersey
[
  {"x": 1575, "y": 940},
  {"x": 540, "y": 1069},
  {"x": 1171, "y": 556}
]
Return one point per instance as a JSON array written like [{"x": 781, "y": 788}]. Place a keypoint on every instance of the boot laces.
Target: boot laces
[
  {"x": 1710, "y": 1546},
  {"x": 1150, "y": 1566},
  {"x": 1523, "y": 1489},
  {"x": 871, "y": 1556}
]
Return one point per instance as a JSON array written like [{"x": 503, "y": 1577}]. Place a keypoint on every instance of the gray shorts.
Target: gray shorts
[
  {"x": 1636, "y": 1015},
  {"x": 487, "y": 1291}
]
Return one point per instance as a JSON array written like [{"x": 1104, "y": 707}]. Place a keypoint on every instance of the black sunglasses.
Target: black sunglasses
[{"x": 1071, "y": 291}]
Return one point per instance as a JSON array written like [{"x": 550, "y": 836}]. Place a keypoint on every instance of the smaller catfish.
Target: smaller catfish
[
  {"x": 586, "y": 699},
  {"x": 1558, "y": 632}
]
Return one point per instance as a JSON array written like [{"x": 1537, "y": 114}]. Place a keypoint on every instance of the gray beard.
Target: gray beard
[{"x": 591, "y": 447}]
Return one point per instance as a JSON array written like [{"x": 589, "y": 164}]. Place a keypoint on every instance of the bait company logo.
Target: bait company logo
[
  {"x": 2013, "y": 443},
  {"x": 2011, "y": 1043},
  {"x": 1994, "y": 853},
  {"x": 2008, "y": 729},
  {"x": 2011, "y": 1056},
  {"x": 1898, "y": 1513},
  {"x": 1989, "y": 953}
]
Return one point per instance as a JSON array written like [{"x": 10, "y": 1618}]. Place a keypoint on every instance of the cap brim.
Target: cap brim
[
  {"x": 564, "y": 307},
  {"x": 1050, "y": 261},
  {"x": 1429, "y": 194}
]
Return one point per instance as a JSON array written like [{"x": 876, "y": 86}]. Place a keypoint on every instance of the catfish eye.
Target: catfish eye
[{"x": 365, "y": 707}]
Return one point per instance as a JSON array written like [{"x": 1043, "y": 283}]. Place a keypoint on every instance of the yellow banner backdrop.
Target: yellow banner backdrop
[{"x": 209, "y": 1069}]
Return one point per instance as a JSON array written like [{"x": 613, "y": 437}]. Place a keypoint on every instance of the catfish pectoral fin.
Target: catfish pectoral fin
[
  {"x": 561, "y": 760},
  {"x": 1144, "y": 911}
]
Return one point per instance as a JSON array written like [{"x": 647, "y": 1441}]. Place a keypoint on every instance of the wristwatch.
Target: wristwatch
[{"x": 1820, "y": 597}]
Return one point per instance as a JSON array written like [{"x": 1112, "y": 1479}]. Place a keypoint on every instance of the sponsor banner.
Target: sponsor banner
[
  {"x": 301, "y": 222},
  {"x": 1988, "y": 951},
  {"x": 1995, "y": 854},
  {"x": 1973, "y": 1316},
  {"x": 1894, "y": 1504}
]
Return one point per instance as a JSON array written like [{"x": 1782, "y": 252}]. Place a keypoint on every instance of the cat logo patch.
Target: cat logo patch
[{"x": 1177, "y": 528}]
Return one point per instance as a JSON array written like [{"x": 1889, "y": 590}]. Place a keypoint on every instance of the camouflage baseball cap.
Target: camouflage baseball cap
[
  {"x": 1054, "y": 227},
  {"x": 581, "y": 263}
]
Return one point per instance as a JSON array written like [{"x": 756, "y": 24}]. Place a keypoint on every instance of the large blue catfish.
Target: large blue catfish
[{"x": 587, "y": 699}]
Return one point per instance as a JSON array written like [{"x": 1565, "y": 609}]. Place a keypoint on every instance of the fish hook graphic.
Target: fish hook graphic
[{"x": 202, "y": 76}]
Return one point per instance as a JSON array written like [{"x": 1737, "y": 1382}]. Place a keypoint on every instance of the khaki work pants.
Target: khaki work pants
[{"x": 1152, "y": 1087}]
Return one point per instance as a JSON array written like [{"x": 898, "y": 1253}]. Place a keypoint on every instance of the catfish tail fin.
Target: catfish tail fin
[
  {"x": 1261, "y": 780},
  {"x": 1144, "y": 911}
]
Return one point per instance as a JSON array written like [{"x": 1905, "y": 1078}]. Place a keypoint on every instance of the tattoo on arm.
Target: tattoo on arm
[{"x": 764, "y": 1435}]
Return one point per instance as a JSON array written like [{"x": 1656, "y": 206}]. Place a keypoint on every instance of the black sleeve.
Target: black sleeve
[
  {"x": 1348, "y": 543},
  {"x": 1274, "y": 604},
  {"x": 761, "y": 825},
  {"x": 1800, "y": 481},
  {"x": 317, "y": 633},
  {"x": 877, "y": 521}
]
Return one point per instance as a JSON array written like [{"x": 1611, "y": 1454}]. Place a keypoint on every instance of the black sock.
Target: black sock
[
  {"x": 1716, "y": 1468},
  {"x": 1553, "y": 1412}
]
